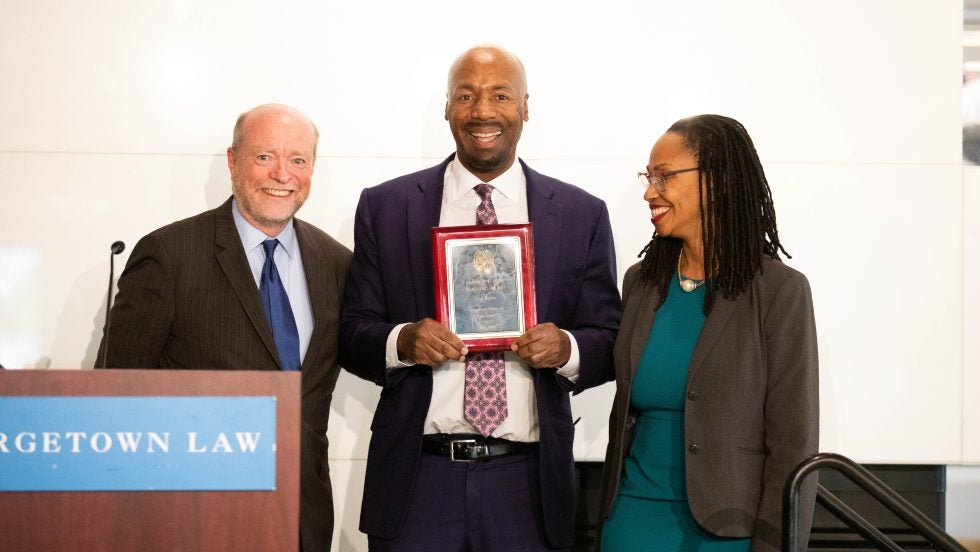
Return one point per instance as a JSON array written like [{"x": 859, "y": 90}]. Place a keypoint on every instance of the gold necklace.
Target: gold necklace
[{"x": 687, "y": 284}]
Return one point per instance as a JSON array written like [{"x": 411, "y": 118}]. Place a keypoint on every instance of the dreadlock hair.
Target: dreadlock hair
[{"x": 738, "y": 220}]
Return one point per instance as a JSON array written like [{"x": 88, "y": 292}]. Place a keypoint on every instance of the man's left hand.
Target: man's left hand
[{"x": 543, "y": 346}]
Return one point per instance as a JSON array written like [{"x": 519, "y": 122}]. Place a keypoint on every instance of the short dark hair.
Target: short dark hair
[{"x": 738, "y": 219}]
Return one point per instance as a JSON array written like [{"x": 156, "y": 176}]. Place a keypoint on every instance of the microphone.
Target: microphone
[{"x": 116, "y": 248}]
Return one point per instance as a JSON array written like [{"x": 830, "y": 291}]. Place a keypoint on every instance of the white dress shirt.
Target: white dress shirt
[
  {"x": 289, "y": 262},
  {"x": 459, "y": 203}
]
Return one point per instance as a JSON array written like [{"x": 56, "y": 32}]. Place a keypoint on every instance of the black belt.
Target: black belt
[{"x": 467, "y": 448}]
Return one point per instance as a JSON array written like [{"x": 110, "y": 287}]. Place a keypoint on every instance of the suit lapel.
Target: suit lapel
[
  {"x": 714, "y": 325},
  {"x": 231, "y": 258},
  {"x": 546, "y": 216},
  {"x": 642, "y": 315},
  {"x": 421, "y": 215},
  {"x": 319, "y": 279}
]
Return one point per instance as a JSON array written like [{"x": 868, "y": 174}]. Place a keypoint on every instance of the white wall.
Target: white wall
[{"x": 114, "y": 117}]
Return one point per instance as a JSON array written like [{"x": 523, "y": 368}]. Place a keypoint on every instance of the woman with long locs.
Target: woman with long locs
[{"x": 716, "y": 359}]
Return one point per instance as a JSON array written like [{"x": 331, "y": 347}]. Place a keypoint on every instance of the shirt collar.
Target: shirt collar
[
  {"x": 252, "y": 237},
  {"x": 461, "y": 181}
]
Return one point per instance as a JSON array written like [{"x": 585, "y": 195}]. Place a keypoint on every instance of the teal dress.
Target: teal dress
[{"x": 651, "y": 511}]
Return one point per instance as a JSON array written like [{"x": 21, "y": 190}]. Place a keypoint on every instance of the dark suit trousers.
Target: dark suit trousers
[{"x": 481, "y": 506}]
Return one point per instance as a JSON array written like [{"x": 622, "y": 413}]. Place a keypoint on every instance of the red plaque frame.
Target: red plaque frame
[{"x": 445, "y": 237}]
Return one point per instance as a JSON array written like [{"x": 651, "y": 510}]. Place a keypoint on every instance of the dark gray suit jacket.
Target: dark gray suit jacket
[
  {"x": 187, "y": 300},
  {"x": 751, "y": 411}
]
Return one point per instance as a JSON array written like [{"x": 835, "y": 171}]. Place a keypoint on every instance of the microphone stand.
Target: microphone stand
[{"x": 115, "y": 249}]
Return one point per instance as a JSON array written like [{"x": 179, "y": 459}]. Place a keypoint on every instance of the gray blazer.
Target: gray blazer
[
  {"x": 751, "y": 412},
  {"x": 187, "y": 300}
]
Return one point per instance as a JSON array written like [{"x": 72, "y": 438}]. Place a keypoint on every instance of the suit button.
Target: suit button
[
  {"x": 694, "y": 449},
  {"x": 693, "y": 395}
]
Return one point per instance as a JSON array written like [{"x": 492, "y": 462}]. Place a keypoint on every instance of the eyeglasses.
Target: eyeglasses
[{"x": 658, "y": 179}]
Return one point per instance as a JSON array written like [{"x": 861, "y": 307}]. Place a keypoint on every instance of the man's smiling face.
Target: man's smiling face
[
  {"x": 486, "y": 106},
  {"x": 272, "y": 168}
]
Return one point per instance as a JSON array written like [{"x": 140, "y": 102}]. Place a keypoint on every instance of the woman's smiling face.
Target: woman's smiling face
[{"x": 676, "y": 211}]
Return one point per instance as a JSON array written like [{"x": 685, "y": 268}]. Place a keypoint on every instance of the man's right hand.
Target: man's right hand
[{"x": 429, "y": 342}]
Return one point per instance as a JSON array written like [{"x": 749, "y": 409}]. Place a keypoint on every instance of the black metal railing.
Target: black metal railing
[{"x": 874, "y": 487}]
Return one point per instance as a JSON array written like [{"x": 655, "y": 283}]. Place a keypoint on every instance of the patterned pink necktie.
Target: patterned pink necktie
[{"x": 485, "y": 391}]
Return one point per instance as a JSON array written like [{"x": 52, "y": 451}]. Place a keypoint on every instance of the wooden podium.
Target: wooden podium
[{"x": 160, "y": 520}]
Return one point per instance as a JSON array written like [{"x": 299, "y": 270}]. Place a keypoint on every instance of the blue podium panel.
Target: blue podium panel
[{"x": 137, "y": 443}]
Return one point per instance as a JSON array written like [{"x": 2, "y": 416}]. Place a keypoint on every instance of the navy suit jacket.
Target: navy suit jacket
[{"x": 391, "y": 282}]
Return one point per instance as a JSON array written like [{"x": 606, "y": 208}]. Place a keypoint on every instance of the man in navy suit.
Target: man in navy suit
[{"x": 434, "y": 481}]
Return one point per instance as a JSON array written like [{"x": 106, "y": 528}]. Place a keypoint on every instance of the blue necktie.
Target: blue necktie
[{"x": 277, "y": 310}]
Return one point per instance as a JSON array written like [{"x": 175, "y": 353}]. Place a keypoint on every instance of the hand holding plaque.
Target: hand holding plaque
[
  {"x": 484, "y": 283},
  {"x": 543, "y": 346},
  {"x": 429, "y": 342}
]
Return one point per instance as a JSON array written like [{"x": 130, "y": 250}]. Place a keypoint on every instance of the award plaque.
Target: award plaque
[{"x": 484, "y": 283}]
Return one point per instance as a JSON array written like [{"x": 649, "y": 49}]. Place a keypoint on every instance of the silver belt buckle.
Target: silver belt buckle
[{"x": 470, "y": 442}]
